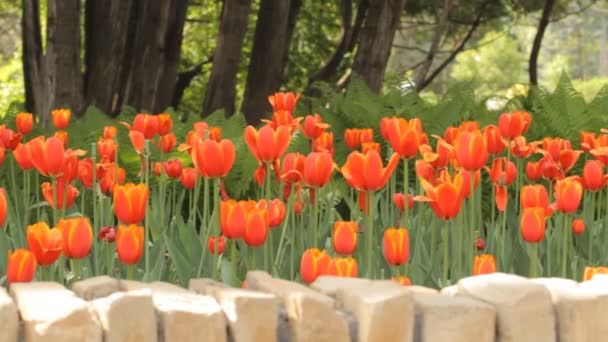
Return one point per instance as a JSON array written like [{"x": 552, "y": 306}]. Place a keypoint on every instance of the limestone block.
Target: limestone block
[
  {"x": 127, "y": 316},
  {"x": 454, "y": 319},
  {"x": 328, "y": 285},
  {"x": 449, "y": 290},
  {"x": 384, "y": 310},
  {"x": 156, "y": 287},
  {"x": 576, "y": 310},
  {"x": 598, "y": 287},
  {"x": 50, "y": 312},
  {"x": 252, "y": 316},
  {"x": 422, "y": 289},
  {"x": 188, "y": 317},
  {"x": 524, "y": 308},
  {"x": 96, "y": 287},
  {"x": 9, "y": 319},
  {"x": 199, "y": 285}
]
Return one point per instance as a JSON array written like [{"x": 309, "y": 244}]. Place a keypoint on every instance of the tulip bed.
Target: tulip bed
[{"x": 418, "y": 208}]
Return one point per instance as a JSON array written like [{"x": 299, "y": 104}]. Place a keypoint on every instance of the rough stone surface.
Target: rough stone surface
[
  {"x": 524, "y": 308},
  {"x": 199, "y": 285},
  {"x": 576, "y": 310},
  {"x": 157, "y": 287},
  {"x": 449, "y": 290},
  {"x": 9, "y": 319},
  {"x": 599, "y": 288},
  {"x": 50, "y": 312},
  {"x": 421, "y": 289},
  {"x": 251, "y": 315},
  {"x": 311, "y": 316},
  {"x": 127, "y": 316},
  {"x": 96, "y": 287},
  {"x": 328, "y": 285},
  {"x": 454, "y": 319},
  {"x": 188, "y": 317},
  {"x": 384, "y": 310}
]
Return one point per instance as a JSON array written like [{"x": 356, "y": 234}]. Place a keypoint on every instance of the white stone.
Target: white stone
[
  {"x": 96, "y": 287},
  {"x": 9, "y": 319},
  {"x": 328, "y": 285}
]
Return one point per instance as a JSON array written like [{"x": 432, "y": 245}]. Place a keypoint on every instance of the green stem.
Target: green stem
[
  {"x": 533, "y": 259},
  {"x": 566, "y": 231},
  {"x": 369, "y": 230},
  {"x": 216, "y": 203},
  {"x": 233, "y": 257},
  {"x": 130, "y": 272},
  {"x": 470, "y": 240},
  {"x": 313, "y": 218},
  {"x": 406, "y": 190},
  {"x": 446, "y": 252},
  {"x": 146, "y": 220},
  {"x": 74, "y": 264}
]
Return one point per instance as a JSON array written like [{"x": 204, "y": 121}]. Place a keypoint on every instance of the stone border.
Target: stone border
[{"x": 486, "y": 308}]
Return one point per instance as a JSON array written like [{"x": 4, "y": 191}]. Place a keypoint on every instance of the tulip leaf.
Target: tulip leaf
[
  {"x": 157, "y": 257},
  {"x": 182, "y": 266}
]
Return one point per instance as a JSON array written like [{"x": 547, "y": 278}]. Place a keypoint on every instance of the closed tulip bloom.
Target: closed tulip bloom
[
  {"x": 107, "y": 234},
  {"x": 109, "y": 132},
  {"x": 399, "y": 201},
  {"x": 367, "y": 146},
  {"x": 365, "y": 172},
  {"x": 130, "y": 243},
  {"x": 352, "y": 138},
  {"x": 64, "y": 194},
  {"x": 591, "y": 271},
  {"x": 276, "y": 212},
  {"x": 406, "y": 136},
  {"x": 107, "y": 177},
  {"x": 164, "y": 123},
  {"x": 233, "y": 218},
  {"x": 130, "y": 202},
  {"x": 44, "y": 242},
  {"x": 445, "y": 199},
  {"x": 484, "y": 264},
  {"x": 534, "y": 196},
  {"x": 396, "y": 246},
  {"x": 213, "y": 159},
  {"x": 471, "y": 150},
  {"x": 20, "y": 266},
  {"x": 61, "y": 118},
  {"x": 480, "y": 244},
  {"x": 533, "y": 171},
  {"x": 173, "y": 168},
  {"x": 107, "y": 150},
  {"x": 146, "y": 124},
  {"x": 578, "y": 226},
  {"x": 343, "y": 267},
  {"x": 292, "y": 168},
  {"x": 514, "y": 124},
  {"x": 593, "y": 176},
  {"x": 188, "y": 177},
  {"x": 211, "y": 243},
  {"x": 24, "y": 123},
  {"x": 318, "y": 168},
  {"x": 503, "y": 171},
  {"x": 533, "y": 224},
  {"x": 344, "y": 237},
  {"x": 9, "y": 139},
  {"x": 324, "y": 143},
  {"x": 63, "y": 136},
  {"x": 267, "y": 144},
  {"x": 284, "y": 101},
  {"x": 3, "y": 207},
  {"x": 23, "y": 156},
  {"x": 314, "y": 263},
  {"x": 496, "y": 143},
  {"x": 313, "y": 126},
  {"x": 402, "y": 280},
  {"x": 166, "y": 142},
  {"x": 77, "y": 237},
  {"x": 366, "y": 135},
  {"x": 256, "y": 227},
  {"x": 568, "y": 193}
]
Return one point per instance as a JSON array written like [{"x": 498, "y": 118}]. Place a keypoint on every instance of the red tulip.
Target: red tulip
[
  {"x": 318, "y": 168},
  {"x": 533, "y": 171},
  {"x": 213, "y": 159},
  {"x": 399, "y": 200},
  {"x": 520, "y": 149},
  {"x": 188, "y": 177},
  {"x": 292, "y": 168},
  {"x": 344, "y": 237},
  {"x": 480, "y": 244},
  {"x": 471, "y": 150},
  {"x": 406, "y": 136},
  {"x": 107, "y": 234},
  {"x": 256, "y": 227},
  {"x": 534, "y": 196},
  {"x": 594, "y": 178},
  {"x": 568, "y": 193},
  {"x": 284, "y": 101},
  {"x": 445, "y": 199},
  {"x": 314, "y": 263},
  {"x": 267, "y": 144},
  {"x": 164, "y": 123},
  {"x": 109, "y": 132},
  {"x": 146, "y": 124},
  {"x": 578, "y": 226},
  {"x": 107, "y": 150},
  {"x": 233, "y": 218},
  {"x": 313, "y": 126},
  {"x": 514, "y": 124},
  {"x": 64, "y": 194},
  {"x": 496, "y": 143},
  {"x": 173, "y": 168},
  {"x": 23, "y": 156},
  {"x": 24, "y": 123},
  {"x": 324, "y": 143},
  {"x": 166, "y": 142},
  {"x": 211, "y": 244}
]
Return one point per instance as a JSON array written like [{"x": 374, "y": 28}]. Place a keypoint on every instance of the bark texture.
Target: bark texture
[{"x": 538, "y": 38}]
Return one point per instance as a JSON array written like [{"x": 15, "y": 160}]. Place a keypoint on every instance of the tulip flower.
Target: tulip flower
[
  {"x": 173, "y": 168},
  {"x": 292, "y": 168},
  {"x": 44, "y": 242},
  {"x": 578, "y": 226},
  {"x": 591, "y": 271},
  {"x": 77, "y": 237},
  {"x": 61, "y": 118},
  {"x": 471, "y": 150},
  {"x": 64, "y": 194},
  {"x": 130, "y": 202},
  {"x": 344, "y": 237},
  {"x": 164, "y": 123},
  {"x": 63, "y": 136},
  {"x": 402, "y": 280},
  {"x": 502, "y": 174},
  {"x": 521, "y": 149},
  {"x": 318, "y": 168},
  {"x": 23, "y": 156},
  {"x": 213, "y": 159},
  {"x": 220, "y": 245},
  {"x": 396, "y": 246},
  {"x": 233, "y": 218},
  {"x": 284, "y": 101},
  {"x": 514, "y": 124},
  {"x": 276, "y": 212},
  {"x": 3, "y": 207},
  {"x": 47, "y": 155},
  {"x": 267, "y": 144},
  {"x": 406, "y": 136},
  {"x": 314, "y": 263},
  {"x": 399, "y": 201},
  {"x": 593, "y": 177},
  {"x": 107, "y": 150},
  {"x": 343, "y": 267},
  {"x": 533, "y": 224},
  {"x": 568, "y": 193},
  {"x": 130, "y": 243},
  {"x": 256, "y": 227},
  {"x": 364, "y": 172},
  {"x": 166, "y": 142},
  {"x": 283, "y": 118},
  {"x": 480, "y": 244},
  {"x": 146, "y": 124},
  {"x": 533, "y": 171},
  {"x": 24, "y": 123},
  {"x": 496, "y": 143},
  {"x": 107, "y": 234},
  {"x": 484, "y": 264},
  {"x": 352, "y": 138},
  {"x": 106, "y": 175},
  {"x": 188, "y": 177},
  {"x": 109, "y": 132},
  {"x": 20, "y": 266},
  {"x": 534, "y": 196},
  {"x": 324, "y": 143},
  {"x": 8, "y": 138},
  {"x": 313, "y": 126},
  {"x": 445, "y": 199}
]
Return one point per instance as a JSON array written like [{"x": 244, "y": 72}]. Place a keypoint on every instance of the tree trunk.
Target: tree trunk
[
  {"x": 376, "y": 39},
  {"x": 221, "y": 87},
  {"x": 542, "y": 26},
  {"x": 33, "y": 66},
  {"x": 267, "y": 58}
]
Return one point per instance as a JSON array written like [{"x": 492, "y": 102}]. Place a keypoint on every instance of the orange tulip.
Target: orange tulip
[
  {"x": 256, "y": 227},
  {"x": 44, "y": 242},
  {"x": 109, "y": 132},
  {"x": 406, "y": 136},
  {"x": 503, "y": 171},
  {"x": 20, "y": 266},
  {"x": 367, "y": 146},
  {"x": 471, "y": 150},
  {"x": 292, "y": 168},
  {"x": 593, "y": 176},
  {"x": 496, "y": 143},
  {"x": 173, "y": 168},
  {"x": 450, "y": 133},
  {"x": 533, "y": 224},
  {"x": 138, "y": 141},
  {"x": 318, "y": 168},
  {"x": 284, "y": 101},
  {"x": 24, "y": 123},
  {"x": 344, "y": 237},
  {"x": 568, "y": 193},
  {"x": 267, "y": 144},
  {"x": 213, "y": 159},
  {"x": 47, "y": 155},
  {"x": 514, "y": 124},
  {"x": 233, "y": 218},
  {"x": 484, "y": 264},
  {"x": 445, "y": 199},
  {"x": 63, "y": 136},
  {"x": 166, "y": 142},
  {"x": 61, "y": 118},
  {"x": 591, "y": 271},
  {"x": 106, "y": 174},
  {"x": 8, "y": 138},
  {"x": 364, "y": 172},
  {"x": 130, "y": 243},
  {"x": 352, "y": 138},
  {"x": 77, "y": 237},
  {"x": 188, "y": 177},
  {"x": 130, "y": 202},
  {"x": 402, "y": 280},
  {"x": 324, "y": 143},
  {"x": 578, "y": 226},
  {"x": 343, "y": 267},
  {"x": 283, "y": 118},
  {"x": 396, "y": 246},
  {"x": 521, "y": 149},
  {"x": 147, "y": 124},
  {"x": 313, "y": 126},
  {"x": 164, "y": 123},
  {"x": 65, "y": 194},
  {"x": 107, "y": 150},
  {"x": 3, "y": 207},
  {"x": 276, "y": 212},
  {"x": 314, "y": 263},
  {"x": 534, "y": 196},
  {"x": 221, "y": 245},
  {"x": 399, "y": 201},
  {"x": 533, "y": 171},
  {"x": 23, "y": 156}
]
